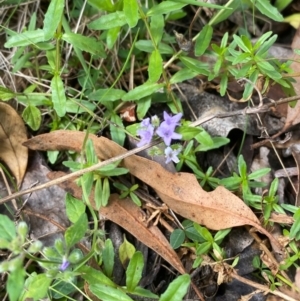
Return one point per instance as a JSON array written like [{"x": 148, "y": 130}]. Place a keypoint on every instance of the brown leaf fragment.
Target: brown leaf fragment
[
  {"x": 133, "y": 219},
  {"x": 12, "y": 135},
  {"x": 216, "y": 210}
]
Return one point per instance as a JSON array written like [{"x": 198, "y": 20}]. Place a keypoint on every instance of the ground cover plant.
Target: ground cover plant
[{"x": 162, "y": 126}]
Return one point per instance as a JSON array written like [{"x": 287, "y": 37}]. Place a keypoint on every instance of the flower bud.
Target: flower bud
[
  {"x": 22, "y": 230},
  {"x": 35, "y": 247},
  {"x": 75, "y": 256}
]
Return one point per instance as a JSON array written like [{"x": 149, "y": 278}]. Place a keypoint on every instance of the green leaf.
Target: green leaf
[
  {"x": 134, "y": 271},
  {"x": 241, "y": 43},
  {"x": 32, "y": 117},
  {"x": 144, "y": 293},
  {"x": 265, "y": 7},
  {"x": 105, "y": 5},
  {"x": 117, "y": 133},
  {"x": 155, "y": 66},
  {"x": 263, "y": 50},
  {"x": 25, "y": 38},
  {"x": 183, "y": 75},
  {"x": 126, "y": 251},
  {"x": 105, "y": 192},
  {"x": 116, "y": 19},
  {"x": 295, "y": 229},
  {"x": 52, "y": 18},
  {"x": 76, "y": 232},
  {"x": 74, "y": 208},
  {"x": 107, "y": 95},
  {"x": 203, "y": 40},
  {"x": 165, "y": 8},
  {"x": 223, "y": 84},
  {"x": 15, "y": 284},
  {"x": 147, "y": 46},
  {"x": 177, "y": 289},
  {"x": 36, "y": 286},
  {"x": 7, "y": 228},
  {"x": 130, "y": 10},
  {"x": 195, "y": 65},
  {"x": 177, "y": 238},
  {"x": 157, "y": 27},
  {"x": 141, "y": 91},
  {"x": 112, "y": 36},
  {"x": 226, "y": 11},
  {"x": 108, "y": 257},
  {"x": 6, "y": 94},
  {"x": 199, "y": 3},
  {"x": 58, "y": 96},
  {"x": 204, "y": 139},
  {"x": 93, "y": 276},
  {"x": 143, "y": 106},
  {"x": 106, "y": 293},
  {"x": 88, "y": 44}
]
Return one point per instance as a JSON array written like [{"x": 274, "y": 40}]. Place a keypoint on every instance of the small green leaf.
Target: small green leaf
[
  {"x": 88, "y": 44},
  {"x": 134, "y": 271},
  {"x": 141, "y": 91},
  {"x": 203, "y": 40},
  {"x": 93, "y": 276},
  {"x": 6, "y": 94},
  {"x": 143, "y": 106},
  {"x": 295, "y": 229},
  {"x": 116, "y": 129},
  {"x": 52, "y": 18},
  {"x": 165, "y": 8},
  {"x": 177, "y": 289},
  {"x": 105, "y": 5},
  {"x": 112, "y": 36},
  {"x": 107, "y": 95},
  {"x": 25, "y": 38},
  {"x": 15, "y": 284},
  {"x": 241, "y": 43},
  {"x": 157, "y": 27},
  {"x": 147, "y": 46},
  {"x": 36, "y": 286},
  {"x": 155, "y": 66},
  {"x": 58, "y": 96},
  {"x": 7, "y": 228},
  {"x": 195, "y": 65},
  {"x": 105, "y": 192},
  {"x": 108, "y": 256},
  {"x": 106, "y": 293},
  {"x": 177, "y": 238},
  {"x": 182, "y": 75},
  {"x": 130, "y": 9},
  {"x": 126, "y": 251},
  {"x": 199, "y": 3},
  {"x": 265, "y": 7},
  {"x": 76, "y": 232},
  {"x": 32, "y": 117},
  {"x": 74, "y": 208},
  {"x": 112, "y": 20}
]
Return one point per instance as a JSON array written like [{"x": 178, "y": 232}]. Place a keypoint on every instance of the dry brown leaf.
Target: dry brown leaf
[
  {"x": 216, "y": 210},
  {"x": 130, "y": 217},
  {"x": 12, "y": 135}
]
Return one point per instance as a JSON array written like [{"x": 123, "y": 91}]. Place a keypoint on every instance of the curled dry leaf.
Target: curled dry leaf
[
  {"x": 12, "y": 135},
  {"x": 130, "y": 217},
  {"x": 219, "y": 209}
]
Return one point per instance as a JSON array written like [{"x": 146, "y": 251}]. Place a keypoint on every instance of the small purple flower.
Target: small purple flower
[
  {"x": 146, "y": 133},
  {"x": 167, "y": 133},
  {"x": 172, "y": 121},
  {"x": 64, "y": 265},
  {"x": 171, "y": 154}
]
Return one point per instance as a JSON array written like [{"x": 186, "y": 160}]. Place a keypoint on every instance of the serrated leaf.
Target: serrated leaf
[
  {"x": 177, "y": 289},
  {"x": 32, "y": 116},
  {"x": 106, "y": 293},
  {"x": 88, "y": 44},
  {"x": 74, "y": 208},
  {"x": 52, "y": 18},
  {"x": 76, "y": 232},
  {"x": 25, "y": 38},
  {"x": 6, "y": 94},
  {"x": 130, "y": 9},
  {"x": 112, "y": 20},
  {"x": 155, "y": 66},
  {"x": 58, "y": 96},
  {"x": 265, "y": 7},
  {"x": 203, "y": 40},
  {"x": 141, "y": 91},
  {"x": 134, "y": 271}
]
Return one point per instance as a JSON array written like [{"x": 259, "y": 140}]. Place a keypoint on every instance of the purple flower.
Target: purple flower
[
  {"x": 64, "y": 265},
  {"x": 172, "y": 121},
  {"x": 167, "y": 133},
  {"x": 146, "y": 132},
  {"x": 171, "y": 154}
]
